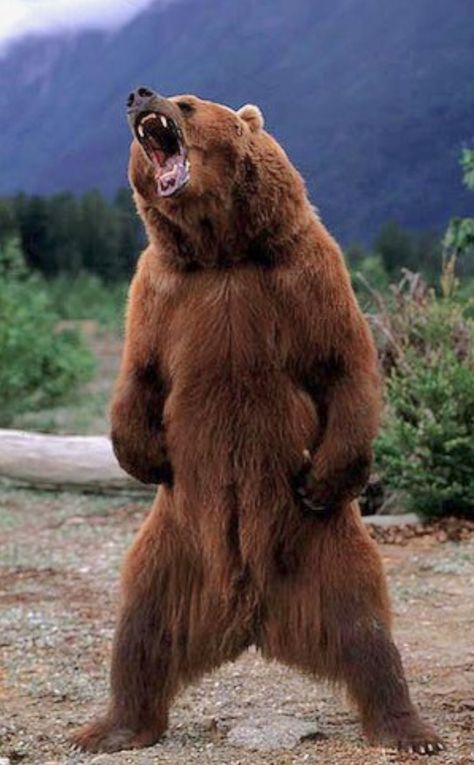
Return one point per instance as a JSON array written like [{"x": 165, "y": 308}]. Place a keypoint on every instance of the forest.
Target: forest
[{"x": 68, "y": 234}]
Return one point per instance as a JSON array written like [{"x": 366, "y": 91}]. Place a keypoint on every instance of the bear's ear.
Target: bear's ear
[{"x": 252, "y": 116}]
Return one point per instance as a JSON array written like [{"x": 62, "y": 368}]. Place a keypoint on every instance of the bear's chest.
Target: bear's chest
[{"x": 227, "y": 326}]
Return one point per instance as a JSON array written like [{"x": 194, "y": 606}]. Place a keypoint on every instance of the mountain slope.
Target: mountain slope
[{"x": 372, "y": 99}]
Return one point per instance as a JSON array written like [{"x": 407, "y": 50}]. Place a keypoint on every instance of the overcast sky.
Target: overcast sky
[{"x": 18, "y": 17}]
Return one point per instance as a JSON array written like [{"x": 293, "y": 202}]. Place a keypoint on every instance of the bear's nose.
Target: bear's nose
[
  {"x": 144, "y": 101},
  {"x": 141, "y": 99}
]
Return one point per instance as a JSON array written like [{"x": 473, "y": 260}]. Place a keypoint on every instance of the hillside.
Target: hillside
[{"x": 372, "y": 99}]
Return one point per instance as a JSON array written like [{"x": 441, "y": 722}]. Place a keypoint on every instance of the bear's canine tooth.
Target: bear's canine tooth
[
  {"x": 164, "y": 121},
  {"x": 141, "y": 132}
]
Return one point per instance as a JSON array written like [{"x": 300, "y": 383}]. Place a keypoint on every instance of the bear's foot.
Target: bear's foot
[
  {"x": 407, "y": 733},
  {"x": 106, "y": 736}
]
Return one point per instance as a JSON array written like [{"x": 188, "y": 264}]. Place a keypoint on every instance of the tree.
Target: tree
[
  {"x": 131, "y": 238},
  {"x": 64, "y": 234},
  {"x": 33, "y": 223},
  {"x": 8, "y": 224},
  {"x": 395, "y": 246},
  {"x": 458, "y": 242},
  {"x": 99, "y": 235}
]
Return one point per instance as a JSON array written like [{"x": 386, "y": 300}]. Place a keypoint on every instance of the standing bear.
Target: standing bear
[{"x": 249, "y": 391}]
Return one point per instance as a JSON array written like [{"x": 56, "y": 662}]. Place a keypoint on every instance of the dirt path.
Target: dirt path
[{"x": 59, "y": 558}]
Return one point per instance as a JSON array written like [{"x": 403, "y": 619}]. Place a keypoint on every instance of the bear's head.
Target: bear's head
[{"x": 210, "y": 178}]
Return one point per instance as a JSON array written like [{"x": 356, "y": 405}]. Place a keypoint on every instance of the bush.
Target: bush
[
  {"x": 39, "y": 365},
  {"x": 459, "y": 237},
  {"x": 426, "y": 446},
  {"x": 87, "y": 297}
]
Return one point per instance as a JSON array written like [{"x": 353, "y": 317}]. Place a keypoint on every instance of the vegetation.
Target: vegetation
[
  {"x": 426, "y": 447},
  {"x": 68, "y": 239},
  {"x": 459, "y": 238},
  {"x": 64, "y": 234},
  {"x": 87, "y": 296},
  {"x": 395, "y": 248},
  {"x": 39, "y": 363}
]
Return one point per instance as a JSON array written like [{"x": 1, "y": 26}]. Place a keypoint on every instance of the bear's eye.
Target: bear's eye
[{"x": 185, "y": 107}]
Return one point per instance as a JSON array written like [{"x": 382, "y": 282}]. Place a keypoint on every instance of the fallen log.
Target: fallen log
[{"x": 44, "y": 461}]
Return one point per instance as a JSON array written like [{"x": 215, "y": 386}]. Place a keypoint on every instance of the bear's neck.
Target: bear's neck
[{"x": 217, "y": 241}]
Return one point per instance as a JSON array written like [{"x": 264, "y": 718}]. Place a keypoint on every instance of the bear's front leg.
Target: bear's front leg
[
  {"x": 321, "y": 491},
  {"x": 339, "y": 470},
  {"x": 138, "y": 435}
]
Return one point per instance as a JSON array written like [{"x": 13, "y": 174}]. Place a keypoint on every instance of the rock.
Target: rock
[
  {"x": 4, "y": 761},
  {"x": 272, "y": 732},
  {"x": 405, "y": 519}
]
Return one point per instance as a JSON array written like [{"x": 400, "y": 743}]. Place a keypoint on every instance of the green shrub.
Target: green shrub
[
  {"x": 87, "y": 297},
  {"x": 39, "y": 365},
  {"x": 368, "y": 277},
  {"x": 426, "y": 445},
  {"x": 458, "y": 242}
]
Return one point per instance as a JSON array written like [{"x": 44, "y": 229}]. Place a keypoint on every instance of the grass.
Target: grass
[
  {"x": 87, "y": 297},
  {"x": 86, "y": 414}
]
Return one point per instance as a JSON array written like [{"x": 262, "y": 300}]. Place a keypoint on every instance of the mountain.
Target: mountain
[{"x": 372, "y": 99}]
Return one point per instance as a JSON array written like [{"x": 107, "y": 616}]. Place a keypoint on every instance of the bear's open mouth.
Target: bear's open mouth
[{"x": 163, "y": 143}]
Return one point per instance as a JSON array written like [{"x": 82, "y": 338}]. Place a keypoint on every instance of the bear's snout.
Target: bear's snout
[{"x": 143, "y": 100}]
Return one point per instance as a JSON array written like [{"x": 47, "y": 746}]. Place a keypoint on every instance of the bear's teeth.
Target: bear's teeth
[
  {"x": 164, "y": 121},
  {"x": 141, "y": 132},
  {"x": 147, "y": 118}
]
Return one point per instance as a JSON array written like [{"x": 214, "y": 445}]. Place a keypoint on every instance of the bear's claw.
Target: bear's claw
[
  {"x": 411, "y": 735},
  {"x": 425, "y": 748},
  {"x": 105, "y": 736}
]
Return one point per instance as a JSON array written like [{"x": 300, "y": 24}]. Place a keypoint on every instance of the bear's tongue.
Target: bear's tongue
[
  {"x": 162, "y": 141},
  {"x": 171, "y": 173}
]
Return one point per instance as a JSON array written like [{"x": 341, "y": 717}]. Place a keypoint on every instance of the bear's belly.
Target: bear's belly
[
  {"x": 240, "y": 432},
  {"x": 234, "y": 416}
]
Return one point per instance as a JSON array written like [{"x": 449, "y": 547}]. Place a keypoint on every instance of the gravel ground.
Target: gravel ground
[{"x": 59, "y": 560}]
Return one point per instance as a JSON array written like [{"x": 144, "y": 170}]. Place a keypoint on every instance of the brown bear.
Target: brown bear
[{"x": 249, "y": 390}]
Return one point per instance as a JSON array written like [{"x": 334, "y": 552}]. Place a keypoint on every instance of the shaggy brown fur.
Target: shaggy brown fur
[{"x": 245, "y": 347}]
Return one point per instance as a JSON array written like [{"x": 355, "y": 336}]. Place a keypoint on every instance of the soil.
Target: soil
[{"x": 59, "y": 562}]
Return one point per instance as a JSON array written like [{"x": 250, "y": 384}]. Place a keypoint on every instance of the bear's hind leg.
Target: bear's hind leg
[
  {"x": 173, "y": 627},
  {"x": 330, "y": 617},
  {"x": 145, "y": 664},
  {"x": 142, "y": 683},
  {"x": 357, "y": 646},
  {"x": 370, "y": 665}
]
